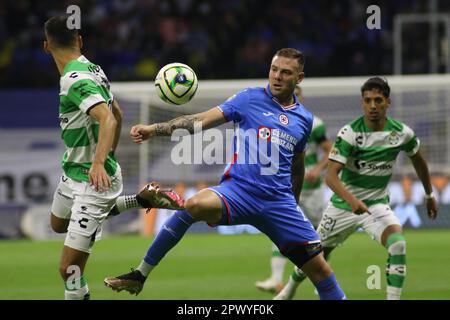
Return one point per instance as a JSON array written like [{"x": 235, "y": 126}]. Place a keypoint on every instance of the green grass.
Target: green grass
[{"x": 210, "y": 266}]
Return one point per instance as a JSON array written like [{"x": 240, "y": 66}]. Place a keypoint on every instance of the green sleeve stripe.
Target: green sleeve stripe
[
  {"x": 364, "y": 181},
  {"x": 75, "y": 137},
  {"x": 344, "y": 148},
  {"x": 82, "y": 89},
  {"x": 408, "y": 147}
]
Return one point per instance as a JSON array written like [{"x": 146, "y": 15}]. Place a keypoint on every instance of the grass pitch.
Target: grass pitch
[{"x": 218, "y": 267}]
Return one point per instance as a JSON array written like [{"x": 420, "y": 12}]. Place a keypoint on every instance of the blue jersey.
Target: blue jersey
[{"x": 266, "y": 137}]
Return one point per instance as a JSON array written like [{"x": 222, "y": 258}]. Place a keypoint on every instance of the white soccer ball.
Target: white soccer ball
[{"x": 176, "y": 83}]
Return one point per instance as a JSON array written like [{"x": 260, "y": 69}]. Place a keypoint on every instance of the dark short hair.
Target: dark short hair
[
  {"x": 293, "y": 54},
  {"x": 56, "y": 29},
  {"x": 377, "y": 83}
]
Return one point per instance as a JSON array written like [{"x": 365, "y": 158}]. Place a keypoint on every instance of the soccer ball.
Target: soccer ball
[{"x": 176, "y": 83}]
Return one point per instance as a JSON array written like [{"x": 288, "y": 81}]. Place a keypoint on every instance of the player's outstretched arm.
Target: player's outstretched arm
[
  {"x": 421, "y": 167},
  {"x": 193, "y": 122},
  {"x": 118, "y": 115},
  {"x": 97, "y": 174},
  {"x": 335, "y": 184}
]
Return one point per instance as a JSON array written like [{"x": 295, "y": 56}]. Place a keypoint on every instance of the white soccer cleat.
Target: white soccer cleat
[
  {"x": 287, "y": 293},
  {"x": 269, "y": 285}
]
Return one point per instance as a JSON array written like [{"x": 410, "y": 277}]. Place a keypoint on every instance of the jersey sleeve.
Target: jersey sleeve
[
  {"x": 412, "y": 143},
  {"x": 84, "y": 92},
  {"x": 343, "y": 145},
  {"x": 234, "y": 108}
]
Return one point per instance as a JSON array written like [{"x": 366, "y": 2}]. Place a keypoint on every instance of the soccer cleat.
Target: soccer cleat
[
  {"x": 133, "y": 282},
  {"x": 152, "y": 196},
  {"x": 286, "y": 293},
  {"x": 269, "y": 285}
]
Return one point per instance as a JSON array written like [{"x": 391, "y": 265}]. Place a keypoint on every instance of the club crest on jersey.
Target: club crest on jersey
[
  {"x": 264, "y": 133},
  {"x": 283, "y": 119},
  {"x": 393, "y": 138}
]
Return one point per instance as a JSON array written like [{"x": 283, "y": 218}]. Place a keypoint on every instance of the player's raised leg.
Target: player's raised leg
[{"x": 204, "y": 206}]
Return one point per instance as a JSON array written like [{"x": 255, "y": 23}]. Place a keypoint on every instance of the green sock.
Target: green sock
[
  {"x": 396, "y": 265},
  {"x": 77, "y": 289}
]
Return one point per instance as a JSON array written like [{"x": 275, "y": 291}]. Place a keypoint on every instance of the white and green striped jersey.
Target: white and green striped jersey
[
  {"x": 83, "y": 86},
  {"x": 369, "y": 157},
  {"x": 318, "y": 134}
]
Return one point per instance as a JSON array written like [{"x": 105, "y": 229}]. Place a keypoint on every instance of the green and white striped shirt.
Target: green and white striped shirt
[
  {"x": 369, "y": 157},
  {"x": 318, "y": 133},
  {"x": 83, "y": 86}
]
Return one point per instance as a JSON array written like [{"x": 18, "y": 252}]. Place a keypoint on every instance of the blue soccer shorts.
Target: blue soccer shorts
[{"x": 279, "y": 217}]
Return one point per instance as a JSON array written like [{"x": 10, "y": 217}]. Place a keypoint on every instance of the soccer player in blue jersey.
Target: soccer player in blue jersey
[{"x": 262, "y": 184}]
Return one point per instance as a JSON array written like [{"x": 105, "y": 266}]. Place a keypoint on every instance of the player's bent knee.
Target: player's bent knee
[
  {"x": 300, "y": 255},
  {"x": 201, "y": 210},
  {"x": 59, "y": 225}
]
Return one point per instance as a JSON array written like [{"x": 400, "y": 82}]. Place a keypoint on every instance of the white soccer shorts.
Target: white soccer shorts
[
  {"x": 86, "y": 208},
  {"x": 337, "y": 224}
]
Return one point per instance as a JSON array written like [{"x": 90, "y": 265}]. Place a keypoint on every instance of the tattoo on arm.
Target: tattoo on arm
[{"x": 184, "y": 122}]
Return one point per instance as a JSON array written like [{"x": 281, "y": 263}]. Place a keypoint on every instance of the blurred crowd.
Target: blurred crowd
[{"x": 132, "y": 39}]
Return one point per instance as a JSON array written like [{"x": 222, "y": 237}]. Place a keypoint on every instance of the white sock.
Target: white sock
[
  {"x": 145, "y": 268},
  {"x": 124, "y": 203},
  {"x": 393, "y": 293},
  {"x": 277, "y": 264},
  {"x": 78, "y": 294}
]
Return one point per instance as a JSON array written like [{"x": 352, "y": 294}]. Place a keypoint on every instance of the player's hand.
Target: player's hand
[
  {"x": 140, "y": 132},
  {"x": 99, "y": 178},
  {"x": 312, "y": 175},
  {"x": 359, "y": 207},
  {"x": 432, "y": 208}
]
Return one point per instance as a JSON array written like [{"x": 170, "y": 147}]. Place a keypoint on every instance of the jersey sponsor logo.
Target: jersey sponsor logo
[
  {"x": 359, "y": 164},
  {"x": 264, "y": 133},
  {"x": 384, "y": 166},
  {"x": 283, "y": 119},
  {"x": 371, "y": 166}
]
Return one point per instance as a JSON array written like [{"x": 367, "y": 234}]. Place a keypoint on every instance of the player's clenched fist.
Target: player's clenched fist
[{"x": 140, "y": 132}]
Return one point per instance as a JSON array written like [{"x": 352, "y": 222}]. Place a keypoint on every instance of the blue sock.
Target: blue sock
[
  {"x": 171, "y": 232},
  {"x": 329, "y": 289}
]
